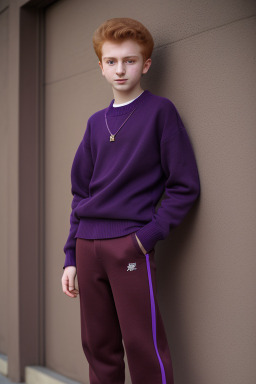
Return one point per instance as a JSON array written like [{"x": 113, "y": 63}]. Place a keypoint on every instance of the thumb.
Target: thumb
[{"x": 71, "y": 286}]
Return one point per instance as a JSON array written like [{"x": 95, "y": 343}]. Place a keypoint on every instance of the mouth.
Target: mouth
[{"x": 120, "y": 81}]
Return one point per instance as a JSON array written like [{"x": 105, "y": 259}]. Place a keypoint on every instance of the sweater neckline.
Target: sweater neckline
[{"x": 117, "y": 111}]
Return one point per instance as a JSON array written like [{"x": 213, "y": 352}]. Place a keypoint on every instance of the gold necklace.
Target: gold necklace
[{"x": 112, "y": 135}]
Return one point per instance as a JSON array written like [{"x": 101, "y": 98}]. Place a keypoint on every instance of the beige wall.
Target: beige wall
[
  {"x": 3, "y": 178},
  {"x": 204, "y": 61}
]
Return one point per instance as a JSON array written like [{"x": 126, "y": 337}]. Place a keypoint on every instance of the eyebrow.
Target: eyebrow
[{"x": 126, "y": 57}]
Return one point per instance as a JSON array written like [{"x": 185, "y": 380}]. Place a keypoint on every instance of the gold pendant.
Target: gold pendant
[{"x": 112, "y": 138}]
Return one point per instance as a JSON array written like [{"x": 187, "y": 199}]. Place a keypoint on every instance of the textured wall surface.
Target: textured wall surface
[{"x": 3, "y": 179}]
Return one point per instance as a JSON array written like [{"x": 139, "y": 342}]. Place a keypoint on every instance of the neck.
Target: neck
[{"x": 122, "y": 97}]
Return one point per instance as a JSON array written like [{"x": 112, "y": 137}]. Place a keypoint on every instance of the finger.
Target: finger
[
  {"x": 66, "y": 289},
  {"x": 74, "y": 290},
  {"x": 71, "y": 293}
]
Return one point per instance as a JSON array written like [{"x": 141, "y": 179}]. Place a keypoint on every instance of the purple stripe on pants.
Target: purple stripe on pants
[{"x": 153, "y": 314}]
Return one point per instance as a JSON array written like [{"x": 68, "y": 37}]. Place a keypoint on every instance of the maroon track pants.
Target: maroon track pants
[{"x": 117, "y": 291}]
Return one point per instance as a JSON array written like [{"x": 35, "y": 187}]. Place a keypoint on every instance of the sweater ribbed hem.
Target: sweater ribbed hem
[{"x": 94, "y": 228}]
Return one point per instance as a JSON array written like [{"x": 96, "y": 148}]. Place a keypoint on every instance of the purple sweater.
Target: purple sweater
[{"x": 116, "y": 185}]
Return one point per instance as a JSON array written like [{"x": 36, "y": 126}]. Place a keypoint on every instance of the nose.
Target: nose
[{"x": 120, "y": 68}]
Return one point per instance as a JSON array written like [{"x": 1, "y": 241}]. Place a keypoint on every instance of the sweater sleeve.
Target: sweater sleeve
[
  {"x": 182, "y": 186},
  {"x": 81, "y": 173}
]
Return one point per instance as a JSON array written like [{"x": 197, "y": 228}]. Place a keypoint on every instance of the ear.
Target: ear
[
  {"x": 146, "y": 66},
  {"x": 101, "y": 67}
]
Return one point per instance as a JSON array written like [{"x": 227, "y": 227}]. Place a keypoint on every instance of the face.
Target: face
[{"x": 122, "y": 66}]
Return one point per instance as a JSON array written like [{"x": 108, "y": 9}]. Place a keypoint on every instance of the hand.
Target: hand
[
  {"x": 141, "y": 246},
  {"x": 68, "y": 281}
]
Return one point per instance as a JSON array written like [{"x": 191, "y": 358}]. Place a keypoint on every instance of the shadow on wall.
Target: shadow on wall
[
  {"x": 172, "y": 265},
  {"x": 154, "y": 80},
  {"x": 172, "y": 254}
]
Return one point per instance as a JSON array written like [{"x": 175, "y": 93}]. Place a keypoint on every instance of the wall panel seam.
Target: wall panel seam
[
  {"x": 4, "y": 9},
  {"x": 205, "y": 31},
  {"x": 69, "y": 77}
]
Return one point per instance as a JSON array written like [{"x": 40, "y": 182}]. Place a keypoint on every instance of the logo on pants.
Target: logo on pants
[{"x": 131, "y": 267}]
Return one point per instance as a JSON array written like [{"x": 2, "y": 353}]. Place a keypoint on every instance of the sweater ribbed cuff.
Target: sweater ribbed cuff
[
  {"x": 70, "y": 259},
  {"x": 149, "y": 235}
]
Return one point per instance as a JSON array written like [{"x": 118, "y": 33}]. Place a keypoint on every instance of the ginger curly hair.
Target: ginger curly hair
[{"x": 120, "y": 29}]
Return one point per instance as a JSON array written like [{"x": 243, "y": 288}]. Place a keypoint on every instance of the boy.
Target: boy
[{"x": 130, "y": 154}]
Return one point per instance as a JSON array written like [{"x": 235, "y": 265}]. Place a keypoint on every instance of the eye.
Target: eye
[
  {"x": 110, "y": 62},
  {"x": 130, "y": 61}
]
